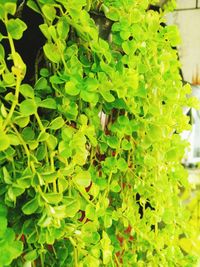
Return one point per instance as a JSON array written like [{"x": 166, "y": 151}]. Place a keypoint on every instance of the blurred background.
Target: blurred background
[{"x": 187, "y": 17}]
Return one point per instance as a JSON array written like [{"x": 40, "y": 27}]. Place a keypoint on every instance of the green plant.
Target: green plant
[
  {"x": 191, "y": 198},
  {"x": 90, "y": 151}
]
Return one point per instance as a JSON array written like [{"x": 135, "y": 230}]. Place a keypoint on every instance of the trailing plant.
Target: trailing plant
[
  {"x": 89, "y": 146},
  {"x": 191, "y": 198}
]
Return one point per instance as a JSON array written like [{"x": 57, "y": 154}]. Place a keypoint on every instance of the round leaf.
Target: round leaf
[
  {"x": 4, "y": 141},
  {"x": 28, "y": 107}
]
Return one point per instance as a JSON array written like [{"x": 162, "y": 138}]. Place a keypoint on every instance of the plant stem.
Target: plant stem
[
  {"x": 53, "y": 169},
  {"x": 75, "y": 252},
  {"x": 18, "y": 80},
  {"x": 14, "y": 103},
  {"x": 42, "y": 260},
  {"x": 22, "y": 142},
  {"x": 39, "y": 122}
]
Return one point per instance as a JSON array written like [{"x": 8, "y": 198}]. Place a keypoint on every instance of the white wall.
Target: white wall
[{"x": 189, "y": 25}]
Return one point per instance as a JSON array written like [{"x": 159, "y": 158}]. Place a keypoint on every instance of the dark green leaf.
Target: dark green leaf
[
  {"x": 16, "y": 27},
  {"x": 28, "y": 134}
]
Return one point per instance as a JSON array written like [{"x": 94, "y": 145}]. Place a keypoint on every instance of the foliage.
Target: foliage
[
  {"x": 191, "y": 198},
  {"x": 90, "y": 151}
]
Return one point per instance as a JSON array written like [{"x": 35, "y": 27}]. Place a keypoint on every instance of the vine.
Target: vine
[{"x": 90, "y": 148}]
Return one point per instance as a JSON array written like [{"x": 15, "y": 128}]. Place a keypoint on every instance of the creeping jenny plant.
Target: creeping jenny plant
[{"x": 90, "y": 150}]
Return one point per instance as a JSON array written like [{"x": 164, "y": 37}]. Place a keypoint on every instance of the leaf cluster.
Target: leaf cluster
[{"x": 97, "y": 128}]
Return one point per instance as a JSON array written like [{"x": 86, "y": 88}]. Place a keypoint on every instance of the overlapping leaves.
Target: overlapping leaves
[{"x": 90, "y": 150}]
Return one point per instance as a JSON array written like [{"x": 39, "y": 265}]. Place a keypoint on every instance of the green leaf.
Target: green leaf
[
  {"x": 113, "y": 141},
  {"x": 3, "y": 223},
  {"x": 136, "y": 15},
  {"x": 155, "y": 132},
  {"x": 49, "y": 103},
  {"x": 22, "y": 121},
  {"x": 26, "y": 90},
  {"x": 15, "y": 191},
  {"x": 64, "y": 149},
  {"x": 122, "y": 164},
  {"x": 3, "y": 210},
  {"x": 173, "y": 154},
  {"x": 28, "y": 134},
  {"x": 44, "y": 72},
  {"x": 33, "y": 144},
  {"x": 15, "y": 28},
  {"x": 9, "y": 78},
  {"x": 6, "y": 176},
  {"x": 52, "y": 142},
  {"x": 10, "y": 97},
  {"x": 115, "y": 187},
  {"x": 112, "y": 14},
  {"x": 49, "y": 12},
  {"x": 91, "y": 84},
  {"x": 83, "y": 178},
  {"x": 2, "y": 52},
  {"x": 28, "y": 107},
  {"x": 26, "y": 179},
  {"x": 62, "y": 184},
  {"x": 52, "y": 52},
  {"x": 107, "y": 95},
  {"x": 42, "y": 86},
  {"x": 107, "y": 220},
  {"x": 126, "y": 145},
  {"x": 110, "y": 162},
  {"x": 168, "y": 216},
  {"x": 31, "y": 255},
  {"x": 30, "y": 207},
  {"x": 57, "y": 123},
  {"x": 41, "y": 152},
  {"x": 106, "y": 248},
  {"x": 90, "y": 97},
  {"x": 14, "y": 139},
  {"x": 67, "y": 133},
  {"x": 45, "y": 30},
  {"x": 19, "y": 68},
  {"x": 69, "y": 209},
  {"x": 4, "y": 141},
  {"x": 2, "y": 12},
  {"x": 11, "y": 248},
  {"x": 52, "y": 198},
  {"x": 72, "y": 88},
  {"x": 53, "y": 34},
  {"x": 49, "y": 177},
  {"x": 123, "y": 120},
  {"x": 43, "y": 136},
  {"x": 172, "y": 35},
  {"x": 10, "y": 8},
  {"x": 10, "y": 152},
  {"x": 63, "y": 28},
  {"x": 90, "y": 212},
  {"x": 33, "y": 5}
]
